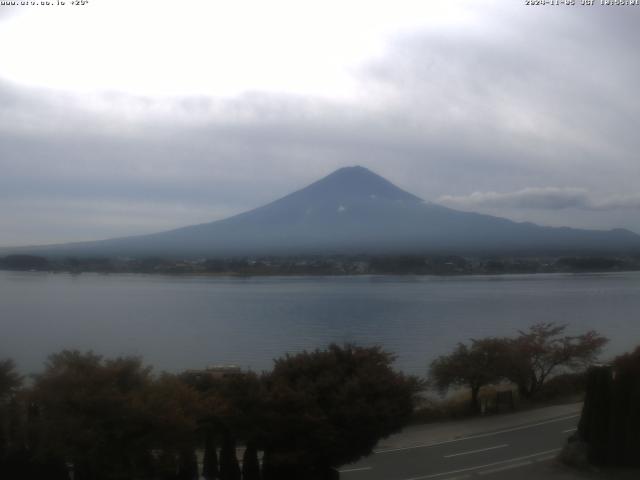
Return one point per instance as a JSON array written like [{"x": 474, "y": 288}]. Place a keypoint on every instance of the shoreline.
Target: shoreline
[{"x": 239, "y": 275}]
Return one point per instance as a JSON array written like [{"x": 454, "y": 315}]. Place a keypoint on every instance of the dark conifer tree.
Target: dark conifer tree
[
  {"x": 229, "y": 467},
  {"x": 250, "y": 463},
  {"x": 188, "y": 465},
  {"x": 49, "y": 468},
  {"x": 267, "y": 466},
  {"x": 4, "y": 444},
  {"x": 210, "y": 469},
  {"x": 167, "y": 466}
]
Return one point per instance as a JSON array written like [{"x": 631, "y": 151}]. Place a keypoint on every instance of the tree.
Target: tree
[
  {"x": 610, "y": 420},
  {"x": 233, "y": 405},
  {"x": 10, "y": 380},
  {"x": 171, "y": 413},
  {"x": 210, "y": 460},
  {"x": 188, "y": 464},
  {"x": 233, "y": 409},
  {"x": 10, "y": 444},
  {"x": 250, "y": 463},
  {"x": 25, "y": 262},
  {"x": 330, "y": 407},
  {"x": 473, "y": 366},
  {"x": 172, "y": 410},
  {"x": 91, "y": 414},
  {"x": 229, "y": 467},
  {"x": 624, "y": 427},
  {"x": 112, "y": 419},
  {"x": 543, "y": 350}
]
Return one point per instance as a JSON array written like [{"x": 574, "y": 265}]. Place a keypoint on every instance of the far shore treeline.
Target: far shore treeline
[
  {"x": 114, "y": 418},
  {"x": 327, "y": 264}
]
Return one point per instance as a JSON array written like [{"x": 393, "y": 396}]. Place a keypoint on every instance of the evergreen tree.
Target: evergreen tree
[
  {"x": 267, "y": 466},
  {"x": 49, "y": 468},
  {"x": 229, "y": 467},
  {"x": 188, "y": 465},
  {"x": 167, "y": 466},
  {"x": 250, "y": 463},
  {"x": 210, "y": 461}
]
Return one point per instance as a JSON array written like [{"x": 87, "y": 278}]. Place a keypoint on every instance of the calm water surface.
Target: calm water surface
[{"x": 189, "y": 322}]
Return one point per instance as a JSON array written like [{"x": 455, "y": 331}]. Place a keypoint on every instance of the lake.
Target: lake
[{"x": 177, "y": 322}]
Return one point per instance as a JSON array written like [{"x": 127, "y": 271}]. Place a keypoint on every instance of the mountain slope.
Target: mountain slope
[{"x": 353, "y": 210}]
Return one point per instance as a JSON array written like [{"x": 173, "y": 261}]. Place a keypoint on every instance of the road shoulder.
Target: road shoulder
[{"x": 433, "y": 433}]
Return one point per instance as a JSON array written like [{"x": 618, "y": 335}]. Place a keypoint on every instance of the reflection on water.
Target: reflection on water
[{"x": 186, "y": 322}]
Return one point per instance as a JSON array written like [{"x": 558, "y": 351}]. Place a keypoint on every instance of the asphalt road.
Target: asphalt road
[{"x": 488, "y": 454}]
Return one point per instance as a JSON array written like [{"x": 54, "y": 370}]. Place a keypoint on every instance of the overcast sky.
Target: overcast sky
[{"x": 126, "y": 117}]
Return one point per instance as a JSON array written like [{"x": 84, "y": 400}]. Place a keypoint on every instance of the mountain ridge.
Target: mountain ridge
[{"x": 353, "y": 210}]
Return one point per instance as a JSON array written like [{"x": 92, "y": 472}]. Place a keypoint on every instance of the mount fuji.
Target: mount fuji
[{"x": 353, "y": 211}]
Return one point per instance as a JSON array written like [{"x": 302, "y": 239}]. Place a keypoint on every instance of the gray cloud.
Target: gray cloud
[
  {"x": 546, "y": 198},
  {"x": 527, "y": 97},
  {"x": 631, "y": 201}
]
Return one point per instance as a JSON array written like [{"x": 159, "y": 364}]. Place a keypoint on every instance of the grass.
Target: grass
[{"x": 562, "y": 389}]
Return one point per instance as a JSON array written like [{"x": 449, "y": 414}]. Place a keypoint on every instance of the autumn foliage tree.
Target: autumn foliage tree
[
  {"x": 113, "y": 419},
  {"x": 87, "y": 413},
  {"x": 107, "y": 417},
  {"x": 330, "y": 407},
  {"x": 10, "y": 382},
  {"x": 528, "y": 360},
  {"x": 171, "y": 410},
  {"x": 474, "y": 366},
  {"x": 544, "y": 350}
]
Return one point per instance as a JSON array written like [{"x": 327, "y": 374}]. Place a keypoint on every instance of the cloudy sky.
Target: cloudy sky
[{"x": 124, "y": 117}]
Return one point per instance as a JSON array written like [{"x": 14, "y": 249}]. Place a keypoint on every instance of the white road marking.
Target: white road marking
[
  {"x": 545, "y": 459},
  {"x": 481, "y": 435},
  {"x": 479, "y": 467},
  {"x": 476, "y": 451},
  {"x": 361, "y": 469},
  {"x": 570, "y": 430},
  {"x": 506, "y": 467}
]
